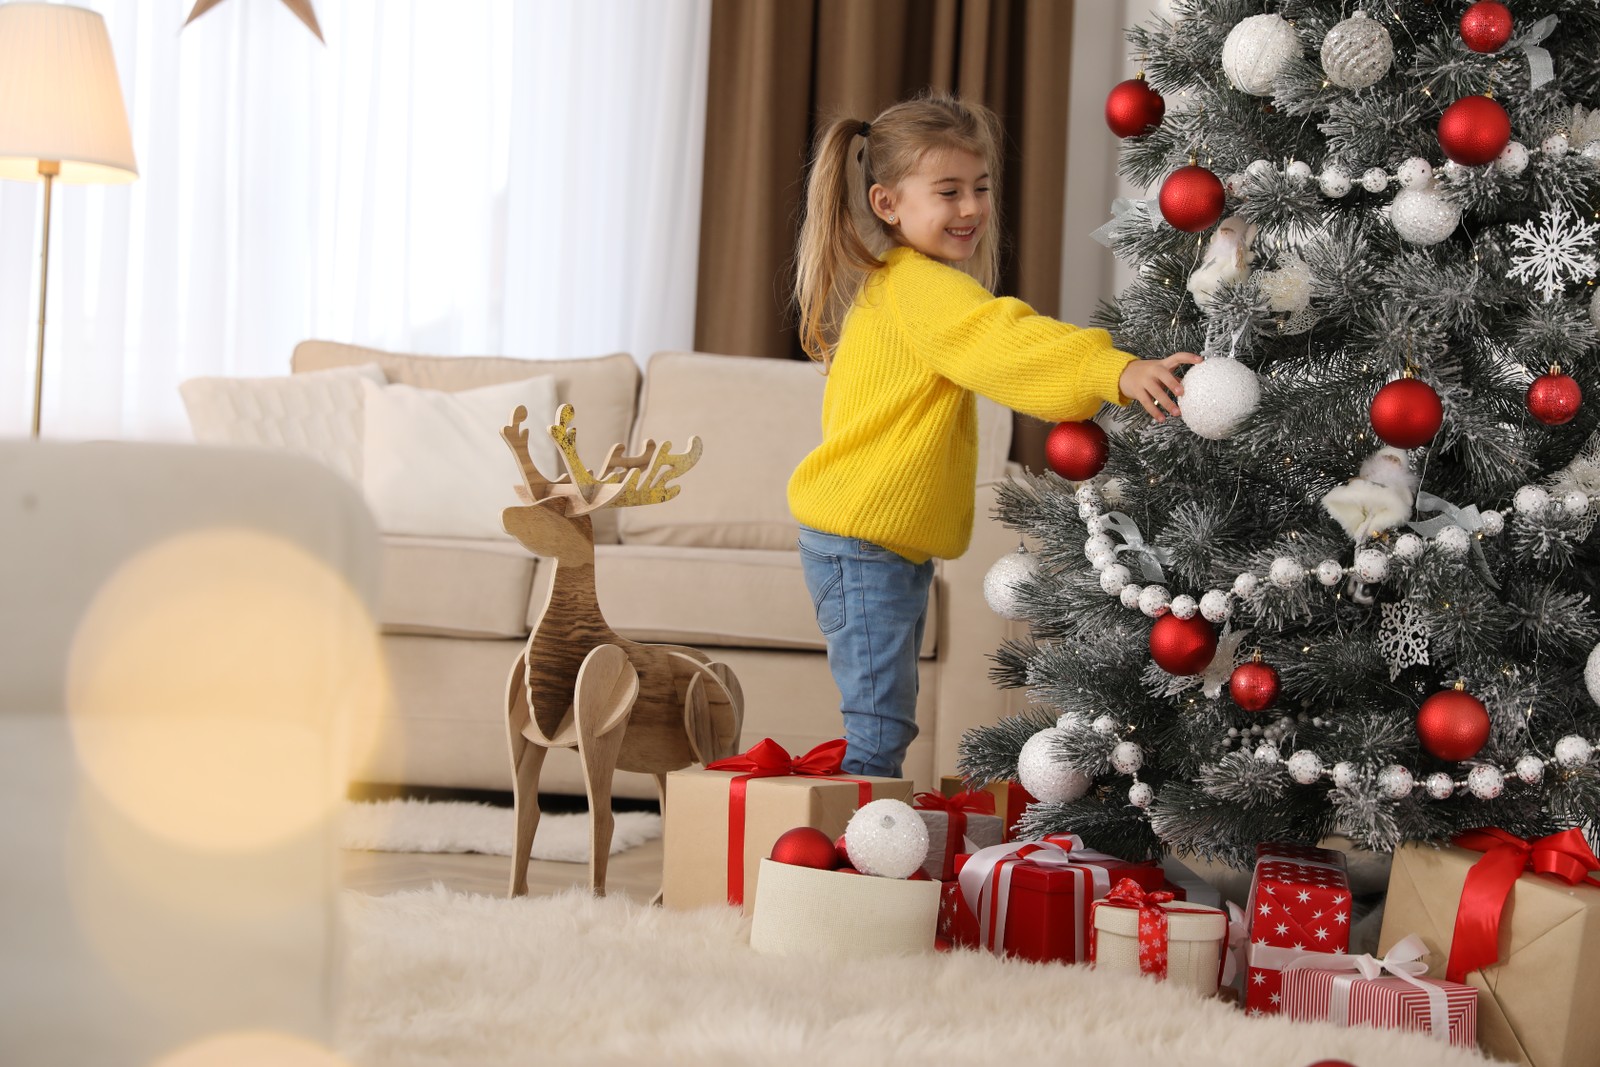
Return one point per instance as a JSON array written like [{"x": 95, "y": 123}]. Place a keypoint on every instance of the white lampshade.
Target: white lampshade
[{"x": 59, "y": 96}]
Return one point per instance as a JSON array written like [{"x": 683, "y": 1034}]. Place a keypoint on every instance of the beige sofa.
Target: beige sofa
[{"x": 715, "y": 568}]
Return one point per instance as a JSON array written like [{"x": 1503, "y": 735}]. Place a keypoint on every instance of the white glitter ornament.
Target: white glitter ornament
[
  {"x": 1298, "y": 169},
  {"x": 1044, "y": 774},
  {"x": 1407, "y": 547},
  {"x": 1127, "y": 757},
  {"x": 1414, "y": 173},
  {"x": 1371, "y": 565},
  {"x": 1530, "y": 769},
  {"x": 1591, "y": 674},
  {"x": 1304, "y": 766},
  {"x": 1493, "y": 522},
  {"x": 1097, "y": 544},
  {"x": 1329, "y": 573},
  {"x": 1245, "y": 584},
  {"x": 1285, "y": 572},
  {"x": 1214, "y": 606},
  {"x": 1530, "y": 500},
  {"x": 1485, "y": 782},
  {"x": 1556, "y": 145},
  {"x": 1130, "y": 595},
  {"x": 1334, "y": 182},
  {"x": 1439, "y": 785},
  {"x": 1153, "y": 600},
  {"x": 1575, "y": 503},
  {"x": 1453, "y": 541},
  {"x": 1103, "y": 725},
  {"x": 1218, "y": 394},
  {"x": 1344, "y": 774},
  {"x": 1375, "y": 180},
  {"x": 1256, "y": 52},
  {"x": 1115, "y": 578},
  {"x": 1423, "y": 216},
  {"x": 1573, "y": 751},
  {"x": 1140, "y": 795},
  {"x": 1357, "y": 52},
  {"x": 1001, "y": 584},
  {"x": 1395, "y": 781},
  {"x": 887, "y": 838},
  {"x": 1183, "y": 606},
  {"x": 1513, "y": 159}
]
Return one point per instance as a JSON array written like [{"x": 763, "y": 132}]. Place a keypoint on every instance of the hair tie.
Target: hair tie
[{"x": 864, "y": 129}]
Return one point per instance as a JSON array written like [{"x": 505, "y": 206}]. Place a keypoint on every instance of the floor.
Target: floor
[{"x": 635, "y": 872}]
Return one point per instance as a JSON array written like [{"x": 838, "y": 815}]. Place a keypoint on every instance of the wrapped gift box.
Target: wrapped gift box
[
  {"x": 963, "y": 823},
  {"x": 1447, "y": 1010},
  {"x": 802, "y": 911},
  {"x": 1180, "y": 943},
  {"x": 1299, "y": 903},
  {"x": 1010, "y": 800},
  {"x": 706, "y": 862},
  {"x": 1537, "y": 1003},
  {"x": 1037, "y": 910}
]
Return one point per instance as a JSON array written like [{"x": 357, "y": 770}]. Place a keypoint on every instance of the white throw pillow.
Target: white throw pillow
[
  {"x": 435, "y": 464},
  {"x": 316, "y": 414}
]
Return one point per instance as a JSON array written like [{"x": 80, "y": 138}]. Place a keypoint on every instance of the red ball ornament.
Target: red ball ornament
[
  {"x": 1486, "y": 26},
  {"x": 1192, "y": 198},
  {"x": 1474, "y": 130},
  {"x": 842, "y": 853},
  {"x": 805, "y": 846},
  {"x": 1182, "y": 646},
  {"x": 1254, "y": 685},
  {"x": 1077, "y": 450},
  {"x": 1406, "y": 413},
  {"x": 1553, "y": 398},
  {"x": 1453, "y": 724},
  {"x": 1133, "y": 108}
]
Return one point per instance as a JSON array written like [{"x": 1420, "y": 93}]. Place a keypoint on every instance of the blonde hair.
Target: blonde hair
[{"x": 841, "y": 239}]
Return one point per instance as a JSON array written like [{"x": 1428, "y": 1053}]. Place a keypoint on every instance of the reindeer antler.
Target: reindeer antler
[
  {"x": 620, "y": 484},
  {"x": 516, "y": 438}
]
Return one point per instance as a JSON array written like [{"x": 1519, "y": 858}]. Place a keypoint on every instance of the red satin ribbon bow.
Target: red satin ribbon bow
[
  {"x": 768, "y": 759},
  {"x": 1152, "y": 922},
  {"x": 978, "y": 803},
  {"x": 1475, "y": 942}
]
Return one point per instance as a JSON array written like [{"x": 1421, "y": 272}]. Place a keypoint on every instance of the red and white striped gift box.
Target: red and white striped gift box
[{"x": 1354, "y": 991}]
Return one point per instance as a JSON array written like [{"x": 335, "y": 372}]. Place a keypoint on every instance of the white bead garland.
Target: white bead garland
[
  {"x": 1105, "y": 724},
  {"x": 1407, "y": 547},
  {"x": 1344, "y": 774},
  {"x": 1334, "y": 182},
  {"x": 1556, "y": 145},
  {"x": 1513, "y": 159},
  {"x": 1298, "y": 169},
  {"x": 1439, "y": 785},
  {"x": 1530, "y": 500},
  {"x": 1114, "y": 579},
  {"x": 1414, "y": 173},
  {"x": 1575, "y": 503},
  {"x": 1127, "y": 757},
  {"x": 1304, "y": 766},
  {"x": 1375, "y": 180},
  {"x": 1453, "y": 541},
  {"x": 1184, "y": 607},
  {"x": 1329, "y": 572},
  {"x": 1244, "y": 585},
  {"x": 1130, "y": 595},
  {"x": 1485, "y": 782},
  {"x": 1140, "y": 795},
  {"x": 1530, "y": 769},
  {"x": 1285, "y": 572},
  {"x": 1573, "y": 751},
  {"x": 1395, "y": 781},
  {"x": 1153, "y": 600},
  {"x": 1371, "y": 565},
  {"x": 1591, "y": 674},
  {"x": 1097, "y": 544},
  {"x": 1493, "y": 522}
]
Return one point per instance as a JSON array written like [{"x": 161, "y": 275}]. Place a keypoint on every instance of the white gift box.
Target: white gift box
[
  {"x": 1196, "y": 935},
  {"x": 802, "y": 911}
]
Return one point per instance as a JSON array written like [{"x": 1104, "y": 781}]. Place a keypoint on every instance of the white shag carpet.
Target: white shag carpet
[
  {"x": 435, "y": 977},
  {"x": 407, "y": 825}
]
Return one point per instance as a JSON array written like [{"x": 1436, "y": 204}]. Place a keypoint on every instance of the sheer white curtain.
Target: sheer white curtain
[{"x": 518, "y": 177}]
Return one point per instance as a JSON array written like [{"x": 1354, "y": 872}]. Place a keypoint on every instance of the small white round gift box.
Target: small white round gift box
[
  {"x": 801, "y": 911},
  {"x": 1196, "y": 935}
]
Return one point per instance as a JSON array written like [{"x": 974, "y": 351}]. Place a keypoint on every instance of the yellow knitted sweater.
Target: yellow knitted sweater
[{"x": 898, "y": 461}]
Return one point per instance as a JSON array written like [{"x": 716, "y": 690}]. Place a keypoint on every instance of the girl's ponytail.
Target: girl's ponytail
[{"x": 833, "y": 255}]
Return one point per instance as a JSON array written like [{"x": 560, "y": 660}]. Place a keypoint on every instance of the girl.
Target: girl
[{"x": 893, "y": 288}]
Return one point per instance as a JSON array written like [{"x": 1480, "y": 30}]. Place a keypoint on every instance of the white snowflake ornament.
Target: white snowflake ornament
[
  {"x": 1402, "y": 637},
  {"x": 1556, "y": 249}
]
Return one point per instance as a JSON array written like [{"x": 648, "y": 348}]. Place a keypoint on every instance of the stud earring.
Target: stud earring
[{"x": 892, "y": 219}]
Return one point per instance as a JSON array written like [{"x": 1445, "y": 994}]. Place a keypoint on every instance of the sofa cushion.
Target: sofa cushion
[
  {"x": 602, "y": 389},
  {"x": 758, "y": 418},
  {"x": 708, "y": 597},
  {"x": 455, "y": 587}
]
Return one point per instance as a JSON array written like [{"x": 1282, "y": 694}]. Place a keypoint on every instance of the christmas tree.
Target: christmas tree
[{"x": 1351, "y": 590}]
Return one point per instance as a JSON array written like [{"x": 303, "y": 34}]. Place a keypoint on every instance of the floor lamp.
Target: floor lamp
[{"x": 61, "y": 116}]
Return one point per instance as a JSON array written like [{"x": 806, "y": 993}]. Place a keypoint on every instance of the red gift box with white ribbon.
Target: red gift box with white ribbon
[
  {"x": 1031, "y": 899},
  {"x": 1299, "y": 903},
  {"x": 1389, "y": 992}
]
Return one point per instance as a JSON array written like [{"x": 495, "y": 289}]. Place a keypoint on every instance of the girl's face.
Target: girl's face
[{"x": 942, "y": 208}]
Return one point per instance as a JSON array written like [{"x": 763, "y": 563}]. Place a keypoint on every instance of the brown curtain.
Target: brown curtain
[{"x": 780, "y": 68}]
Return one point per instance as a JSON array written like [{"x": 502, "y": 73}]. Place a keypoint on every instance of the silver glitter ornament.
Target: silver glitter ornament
[
  {"x": 1357, "y": 52},
  {"x": 1044, "y": 774},
  {"x": 1256, "y": 52},
  {"x": 1001, "y": 584},
  {"x": 1218, "y": 395}
]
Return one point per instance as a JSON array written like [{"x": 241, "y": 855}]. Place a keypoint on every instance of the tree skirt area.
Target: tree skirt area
[
  {"x": 408, "y": 825},
  {"x": 438, "y": 977}
]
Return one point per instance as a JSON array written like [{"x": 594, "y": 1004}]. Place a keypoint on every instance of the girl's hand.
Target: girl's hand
[{"x": 1152, "y": 383}]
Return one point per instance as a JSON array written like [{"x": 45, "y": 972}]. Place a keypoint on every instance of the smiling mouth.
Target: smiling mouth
[{"x": 962, "y": 235}]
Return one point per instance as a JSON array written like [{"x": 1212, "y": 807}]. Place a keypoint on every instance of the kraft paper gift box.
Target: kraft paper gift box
[
  {"x": 1539, "y": 999},
  {"x": 1299, "y": 902},
  {"x": 1010, "y": 800},
  {"x": 1140, "y": 933},
  {"x": 1356, "y": 991},
  {"x": 802, "y": 911},
  {"x": 706, "y": 861},
  {"x": 963, "y": 823}
]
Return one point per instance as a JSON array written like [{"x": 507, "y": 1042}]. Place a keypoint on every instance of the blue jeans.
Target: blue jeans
[{"x": 872, "y": 605}]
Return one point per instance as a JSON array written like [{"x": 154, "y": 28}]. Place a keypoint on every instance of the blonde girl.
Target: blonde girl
[{"x": 896, "y": 261}]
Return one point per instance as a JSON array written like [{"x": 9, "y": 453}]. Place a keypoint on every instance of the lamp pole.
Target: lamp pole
[{"x": 48, "y": 169}]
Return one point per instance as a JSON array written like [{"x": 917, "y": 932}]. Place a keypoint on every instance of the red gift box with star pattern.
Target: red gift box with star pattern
[{"x": 1299, "y": 904}]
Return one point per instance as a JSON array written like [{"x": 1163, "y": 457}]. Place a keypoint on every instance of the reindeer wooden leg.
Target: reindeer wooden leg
[
  {"x": 526, "y": 761},
  {"x": 661, "y": 792},
  {"x": 729, "y": 721},
  {"x": 603, "y": 698}
]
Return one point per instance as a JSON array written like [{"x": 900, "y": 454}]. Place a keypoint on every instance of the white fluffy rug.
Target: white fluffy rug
[
  {"x": 406, "y": 825},
  {"x": 436, "y": 977}
]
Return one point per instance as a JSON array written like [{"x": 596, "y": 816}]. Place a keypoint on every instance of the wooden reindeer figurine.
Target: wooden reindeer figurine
[{"x": 649, "y": 708}]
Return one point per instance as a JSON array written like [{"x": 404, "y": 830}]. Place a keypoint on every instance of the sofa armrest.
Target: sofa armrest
[{"x": 970, "y": 634}]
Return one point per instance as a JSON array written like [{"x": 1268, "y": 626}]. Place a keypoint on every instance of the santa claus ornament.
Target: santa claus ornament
[
  {"x": 1554, "y": 398},
  {"x": 1133, "y": 108}
]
